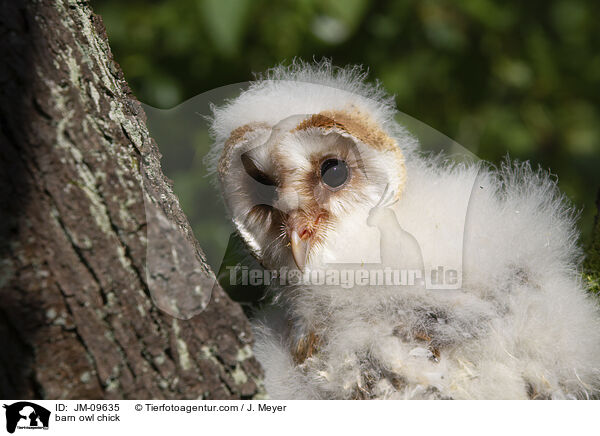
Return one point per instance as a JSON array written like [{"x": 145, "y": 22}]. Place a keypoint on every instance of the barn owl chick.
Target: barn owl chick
[{"x": 318, "y": 177}]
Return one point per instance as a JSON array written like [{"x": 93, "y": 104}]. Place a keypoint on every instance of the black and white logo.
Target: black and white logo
[{"x": 26, "y": 415}]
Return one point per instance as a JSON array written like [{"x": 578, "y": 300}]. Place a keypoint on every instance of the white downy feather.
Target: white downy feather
[{"x": 521, "y": 324}]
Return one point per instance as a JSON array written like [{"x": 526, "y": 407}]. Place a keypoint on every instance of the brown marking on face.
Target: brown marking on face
[
  {"x": 308, "y": 184},
  {"x": 312, "y": 213},
  {"x": 235, "y": 137},
  {"x": 360, "y": 126},
  {"x": 308, "y": 222},
  {"x": 312, "y": 217},
  {"x": 356, "y": 124}
]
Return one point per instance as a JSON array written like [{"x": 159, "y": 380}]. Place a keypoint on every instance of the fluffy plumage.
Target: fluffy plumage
[{"x": 517, "y": 323}]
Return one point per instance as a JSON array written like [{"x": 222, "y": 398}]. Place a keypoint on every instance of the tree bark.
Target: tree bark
[{"x": 81, "y": 194}]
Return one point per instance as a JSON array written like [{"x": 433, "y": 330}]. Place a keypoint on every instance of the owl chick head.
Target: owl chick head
[{"x": 302, "y": 157}]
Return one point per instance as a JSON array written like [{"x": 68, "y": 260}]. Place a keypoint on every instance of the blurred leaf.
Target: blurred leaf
[
  {"x": 571, "y": 19},
  {"x": 349, "y": 12},
  {"x": 442, "y": 25},
  {"x": 339, "y": 19},
  {"x": 510, "y": 76},
  {"x": 491, "y": 14},
  {"x": 330, "y": 29},
  {"x": 513, "y": 72},
  {"x": 225, "y": 21}
]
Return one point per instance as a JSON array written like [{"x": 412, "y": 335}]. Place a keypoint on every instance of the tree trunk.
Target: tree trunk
[{"x": 90, "y": 226}]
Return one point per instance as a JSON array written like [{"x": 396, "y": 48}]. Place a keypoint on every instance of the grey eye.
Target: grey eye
[{"x": 334, "y": 172}]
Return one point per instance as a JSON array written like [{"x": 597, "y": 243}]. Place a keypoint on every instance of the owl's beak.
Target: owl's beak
[
  {"x": 303, "y": 229},
  {"x": 300, "y": 248}
]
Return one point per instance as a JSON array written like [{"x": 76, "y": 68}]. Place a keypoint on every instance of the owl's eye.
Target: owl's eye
[{"x": 334, "y": 172}]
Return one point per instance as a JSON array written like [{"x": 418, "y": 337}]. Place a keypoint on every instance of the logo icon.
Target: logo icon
[{"x": 26, "y": 415}]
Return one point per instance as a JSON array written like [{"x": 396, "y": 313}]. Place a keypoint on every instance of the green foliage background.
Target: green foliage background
[{"x": 513, "y": 77}]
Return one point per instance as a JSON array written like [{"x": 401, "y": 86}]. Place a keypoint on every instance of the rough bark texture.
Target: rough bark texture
[{"x": 80, "y": 186}]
